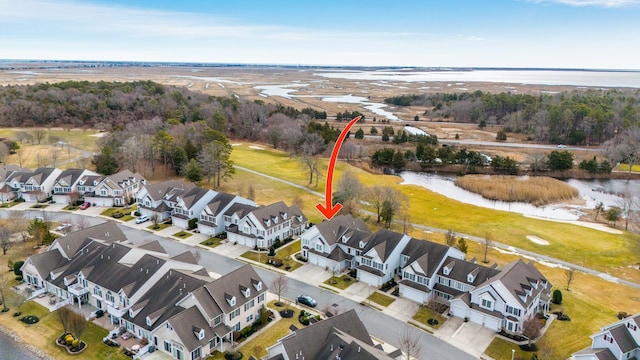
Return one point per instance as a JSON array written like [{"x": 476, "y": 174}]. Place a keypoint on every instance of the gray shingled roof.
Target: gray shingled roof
[
  {"x": 41, "y": 174},
  {"x": 462, "y": 268},
  {"x": 332, "y": 230},
  {"x": 157, "y": 191},
  {"x": 428, "y": 254},
  {"x": 384, "y": 242},
  {"x": 162, "y": 297},
  {"x": 516, "y": 277},
  {"x": 123, "y": 176},
  {"x": 187, "y": 323},
  {"x": 240, "y": 209},
  {"x": 107, "y": 232},
  {"x": 622, "y": 337},
  {"x": 192, "y": 196},
  {"x": 230, "y": 285},
  {"x": 312, "y": 340},
  {"x": 600, "y": 354},
  {"x": 47, "y": 261},
  {"x": 220, "y": 202},
  {"x": 70, "y": 176}
]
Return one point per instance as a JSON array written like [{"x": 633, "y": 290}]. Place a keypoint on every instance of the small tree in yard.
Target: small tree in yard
[
  {"x": 557, "y": 297},
  {"x": 487, "y": 244},
  {"x": 64, "y": 315},
  {"x": 410, "y": 344},
  {"x": 531, "y": 328},
  {"x": 462, "y": 245},
  {"x": 569, "y": 274},
  {"x": 450, "y": 238},
  {"x": 5, "y": 240},
  {"x": 77, "y": 324},
  {"x": 279, "y": 284}
]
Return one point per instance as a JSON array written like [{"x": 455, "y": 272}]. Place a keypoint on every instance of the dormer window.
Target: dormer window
[
  {"x": 201, "y": 334},
  {"x": 259, "y": 286},
  {"x": 284, "y": 216},
  {"x": 148, "y": 321},
  {"x": 446, "y": 270},
  {"x": 267, "y": 222},
  {"x": 361, "y": 244},
  {"x": 131, "y": 313},
  {"x": 230, "y": 299},
  {"x": 245, "y": 291},
  {"x": 275, "y": 220},
  {"x": 470, "y": 278}
]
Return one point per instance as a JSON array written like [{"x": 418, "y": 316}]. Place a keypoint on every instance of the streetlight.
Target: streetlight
[{"x": 513, "y": 353}]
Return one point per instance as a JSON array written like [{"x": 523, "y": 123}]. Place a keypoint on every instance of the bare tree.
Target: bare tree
[
  {"x": 19, "y": 223},
  {"x": 39, "y": 134},
  {"x": 82, "y": 222},
  {"x": 531, "y": 328},
  {"x": 5, "y": 240},
  {"x": 279, "y": 284},
  {"x": 450, "y": 238},
  {"x": 64, "y": 315},
  {"x": 627, "y": 203},
  {"x": 599, "y": 209},
  {"x": 410, "y": 344},
  {"x": 77, "y": 324},
  {"x": 54, "y": 154},
  {"x": 487, "y": 244},
  {"x": 569, "y": 275},
  {"x": 214, "y": 158},
  {"x": 625, "y": 147},
  {"x": 297, "y": 201},
  {"x": 348, "y": 151},
  {"x": 385, "y": 199}
]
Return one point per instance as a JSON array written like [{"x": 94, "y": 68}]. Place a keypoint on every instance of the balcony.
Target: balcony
[
  {"x": 77, "y": 289},
  {"x": 116, "y": 310}
]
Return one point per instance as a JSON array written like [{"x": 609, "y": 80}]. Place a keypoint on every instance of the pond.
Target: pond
[
  {"x": 590, "y": 191},
  {"x": 11, "y": 350}
]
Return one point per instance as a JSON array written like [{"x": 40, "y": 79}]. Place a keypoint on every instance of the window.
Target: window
[
  {"x": 232, "y": 300},
  {"x": 169, "y": 327},
  {"x": 423, "y": 280},
  {"x": 248, "y": 305},
  {"x": 319, "y": 246},
  {"x": 167, "y": 346},
  {"x": 512, "y": 310},
  {"x": 261, "y": 298},
  {"x": 249, "y": 318},
  {"x": 632, "y": 327},
  {"x": 195, "y": 354},
  {"x": 409, "y": 276},
  {"x": 487, "y": 304},
  {"x": 234, "y": 313},
  {"x": 110, "y": 297},
  {"x": 97, "y": 292},
  {"x": 217, "y": 320}
]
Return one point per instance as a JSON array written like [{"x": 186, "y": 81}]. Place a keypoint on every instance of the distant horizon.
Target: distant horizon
[{"x": 249, "y": 64}]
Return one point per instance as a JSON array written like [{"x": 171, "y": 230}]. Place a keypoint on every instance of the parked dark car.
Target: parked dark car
[
  {"x": 307, "y": 300},
  {"x": 99, "y": 313}
]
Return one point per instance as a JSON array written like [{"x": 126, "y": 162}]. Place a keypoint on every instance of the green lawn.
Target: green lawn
[
  {"x": 8, "y": 204},
  {"x": 182, "y": 234},
  {"x": 284, "y": 253},
  {"x": 501, "y": 350},
  {"x": 340, "y": 282},
  {"x": 212, "y": 242},
  {"x": 424, "y": 314},
  {"x": 125, "y": 211},
  {"x": 158, "y": 227},
  {"x": 381, "y": 299}
]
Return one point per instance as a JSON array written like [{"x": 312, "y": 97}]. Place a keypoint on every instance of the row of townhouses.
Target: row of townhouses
[
  {"x": 66, "y": 186},
  {"x": 498, "y": 298},
  {"x": 217, "y": 212},
  {"x": 171, "y": 301}
]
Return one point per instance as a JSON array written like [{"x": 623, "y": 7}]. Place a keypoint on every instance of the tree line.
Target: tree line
[{"x": 578, "y": 118}]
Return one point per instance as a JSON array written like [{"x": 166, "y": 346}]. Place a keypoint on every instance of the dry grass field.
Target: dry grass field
[{"x": 538, "y": 190}]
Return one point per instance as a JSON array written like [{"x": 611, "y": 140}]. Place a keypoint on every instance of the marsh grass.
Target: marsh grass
[{"x": 536, "y": 190}]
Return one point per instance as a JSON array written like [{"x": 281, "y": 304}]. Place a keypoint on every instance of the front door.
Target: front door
[{"x": 99, "y": 304}]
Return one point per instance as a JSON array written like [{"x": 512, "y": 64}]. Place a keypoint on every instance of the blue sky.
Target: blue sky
[{"x": 446, "y": 33}]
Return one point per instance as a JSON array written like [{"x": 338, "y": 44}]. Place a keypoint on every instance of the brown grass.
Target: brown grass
[{"x": 536, "y": 190}]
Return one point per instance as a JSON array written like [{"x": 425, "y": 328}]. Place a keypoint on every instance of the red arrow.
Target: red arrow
[{"x": 328, "y": 209}]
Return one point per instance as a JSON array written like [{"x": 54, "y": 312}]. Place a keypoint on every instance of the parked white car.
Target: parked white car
[
  {"x": 142, "y": 219},
  {"x": 62, "y": 227}
]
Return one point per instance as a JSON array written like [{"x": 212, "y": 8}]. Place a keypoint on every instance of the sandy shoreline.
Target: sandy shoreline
[{"x": 30, "y": 347}]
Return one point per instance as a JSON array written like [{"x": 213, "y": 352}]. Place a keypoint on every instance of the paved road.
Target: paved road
[{"x": 380, "y": 325}]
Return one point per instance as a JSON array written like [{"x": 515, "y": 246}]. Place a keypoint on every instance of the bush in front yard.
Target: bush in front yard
[
  {"x": 556, "y": 297},
  {"x": 233, "y": 355}
]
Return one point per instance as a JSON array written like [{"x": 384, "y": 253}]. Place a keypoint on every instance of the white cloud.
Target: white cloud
[{"x": 596, "y": 3}]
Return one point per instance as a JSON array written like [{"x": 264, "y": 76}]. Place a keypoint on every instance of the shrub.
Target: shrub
[
  {"x": 75, "y": 343},
  {"x": 233, "y": 355},
  {"x": 557, "y": 297},
  {"x": 10, "y": 264},
  {"x": 622, "y": 314},
  {"x": 192, "y": 223},
  {"x": 16, "y": 268},
  {"x": 277, "y": 243},
  {"x": 69, "y": 339}
]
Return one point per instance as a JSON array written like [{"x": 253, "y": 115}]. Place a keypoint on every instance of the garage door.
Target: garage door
[
  {"x": 412, "y": 294},
  {"x": 485, "y": 320},
  {"x": 368, "y": 278},
  {"x": 459, "y": 309}
]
